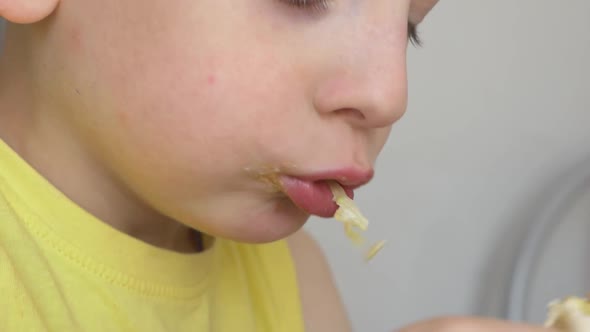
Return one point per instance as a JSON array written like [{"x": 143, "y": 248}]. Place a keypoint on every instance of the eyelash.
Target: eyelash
[
  {"x": 321, "y": 5},
  {"x": 317, "y": 5},
  {"x": 413, "y": 35}
]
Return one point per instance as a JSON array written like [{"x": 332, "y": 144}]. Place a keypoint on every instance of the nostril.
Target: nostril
[{"x": 352, "y": 113}]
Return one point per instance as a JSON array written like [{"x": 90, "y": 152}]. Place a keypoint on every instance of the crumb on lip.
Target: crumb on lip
[
  {"x": 272, "y": 180},
  {"x": 268, "y": 175}
]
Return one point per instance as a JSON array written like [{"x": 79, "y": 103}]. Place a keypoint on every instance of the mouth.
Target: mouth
[{"x": 312, "y": 193}]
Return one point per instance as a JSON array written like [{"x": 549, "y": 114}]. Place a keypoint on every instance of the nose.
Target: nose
[{"x": 366, "y": 84}]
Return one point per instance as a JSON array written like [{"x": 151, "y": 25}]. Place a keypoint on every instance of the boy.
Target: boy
[{"x": 128, "y": 125}]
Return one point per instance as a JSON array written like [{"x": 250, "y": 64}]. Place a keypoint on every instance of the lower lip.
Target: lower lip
[{"x": 313, "y": 197}]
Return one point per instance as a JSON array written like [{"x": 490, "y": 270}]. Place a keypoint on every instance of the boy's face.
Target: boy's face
[{"x": 201, "y": 106}]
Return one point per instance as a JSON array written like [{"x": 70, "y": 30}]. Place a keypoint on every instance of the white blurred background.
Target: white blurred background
[{"x": 499, "y": 117}]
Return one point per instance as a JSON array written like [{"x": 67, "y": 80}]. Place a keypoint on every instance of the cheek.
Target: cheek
[
  {"x": 217, "y": 106},
  {"x": 205, "y": 106}
]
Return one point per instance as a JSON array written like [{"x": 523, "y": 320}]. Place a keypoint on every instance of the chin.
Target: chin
[{"x": 276, "y": 223}]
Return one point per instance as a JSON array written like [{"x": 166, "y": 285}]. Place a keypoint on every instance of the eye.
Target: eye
[
  {"x": 319, "y": 5},
  {"x": 308, "y": 4},
  {"x": 413, "y": 35}
]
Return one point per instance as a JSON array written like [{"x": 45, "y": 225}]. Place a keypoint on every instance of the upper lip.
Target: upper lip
[{"x": 350, "y": 178}]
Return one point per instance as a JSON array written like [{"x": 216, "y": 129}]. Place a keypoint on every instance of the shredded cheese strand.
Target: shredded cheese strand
[
  {"x": 352, "y": 218},
  {"x": 374, "y": 250}
]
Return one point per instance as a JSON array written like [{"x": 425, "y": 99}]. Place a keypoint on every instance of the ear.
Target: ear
[{"x": 26, "y": 11}]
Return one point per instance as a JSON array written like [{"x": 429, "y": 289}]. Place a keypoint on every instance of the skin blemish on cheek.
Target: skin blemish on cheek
[
  {"x": 123, "y": 118},
  {"x": 211, "y": 79},
  {"x": 75, "y": 40}
]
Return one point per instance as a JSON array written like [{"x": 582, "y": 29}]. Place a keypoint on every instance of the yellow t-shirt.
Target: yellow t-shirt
[{"x": 63, "y": 270}]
